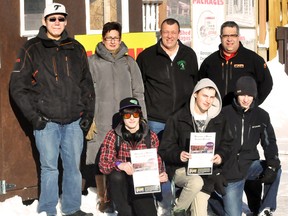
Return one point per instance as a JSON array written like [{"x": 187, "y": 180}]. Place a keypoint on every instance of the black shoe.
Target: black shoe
[
  {"x": 80, "y": 213},
  {"x": 180, "y": 213}
]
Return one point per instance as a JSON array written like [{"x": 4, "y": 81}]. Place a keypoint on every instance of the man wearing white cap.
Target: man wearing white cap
[{"x": 52, "y": 86}]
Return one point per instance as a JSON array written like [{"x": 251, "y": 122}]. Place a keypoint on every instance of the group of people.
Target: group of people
[{"x": 156, "y": 101}]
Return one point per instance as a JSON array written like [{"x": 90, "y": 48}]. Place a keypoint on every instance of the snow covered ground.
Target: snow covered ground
[{"x": 276, "y": 104}]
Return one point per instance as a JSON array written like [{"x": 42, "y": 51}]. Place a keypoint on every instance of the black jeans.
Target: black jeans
[{"x": 126, "y": 202}]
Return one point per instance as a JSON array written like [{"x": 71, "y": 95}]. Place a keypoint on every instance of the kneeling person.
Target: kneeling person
[
  {"x": 250, "y": 124},
  {"x": 200, "y": 114},
  {"x": 132, "y": 131}
]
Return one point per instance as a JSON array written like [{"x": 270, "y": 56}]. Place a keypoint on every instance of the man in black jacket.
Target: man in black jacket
[
  {"x": 169, "y": 71},
  {"x": 201, "y": 114},
  {"x": 52, "y": 86},
  {"x": 249, "y": 124},
  {"x": 233, "y": 60},
  {"x": 225, "y": 67}
]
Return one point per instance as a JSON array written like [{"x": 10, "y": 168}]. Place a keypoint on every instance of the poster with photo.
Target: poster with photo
[
  {"x": 206, "y": 23},
  {"x": 202, "y": 147},
  {"x": 146, "y": 171}
]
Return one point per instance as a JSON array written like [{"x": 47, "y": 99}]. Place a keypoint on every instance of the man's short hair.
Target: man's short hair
[
  {"x": 230, "y": 24},
  {"x": 170, "y": 21}
]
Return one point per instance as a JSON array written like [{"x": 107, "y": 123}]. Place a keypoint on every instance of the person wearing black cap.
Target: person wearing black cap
[
  {"x": 52, "y": 85},
  {"x": 132, "y": 131},
  {"x": 250, "y": 124}
]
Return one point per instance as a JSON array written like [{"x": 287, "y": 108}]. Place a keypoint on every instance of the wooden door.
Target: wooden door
[{"x": 18, "y": 155}]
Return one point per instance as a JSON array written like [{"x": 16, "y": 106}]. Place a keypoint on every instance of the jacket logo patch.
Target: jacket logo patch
[
  {"x": 18, "y": 60},
  {"x": 238, "y": 65},
  {"x": 181, "y": 64},
  {"x": 256, "y": 126}
]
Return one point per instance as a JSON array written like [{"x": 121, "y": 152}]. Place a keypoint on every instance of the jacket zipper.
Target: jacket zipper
[
  {"x": 55, "y": 69},
  {"x": 226, "y": 77},
  {"x": 67, "y": 66},
  {"x": 242, "y": 130}
]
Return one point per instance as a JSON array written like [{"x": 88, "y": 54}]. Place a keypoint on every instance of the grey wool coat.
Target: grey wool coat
[{"x": 115, "y": 78}]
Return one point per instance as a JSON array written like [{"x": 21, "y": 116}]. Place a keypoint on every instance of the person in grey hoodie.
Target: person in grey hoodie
[
  {"x": 201, "y": 114},
  {"x": 115, "y": 76}
]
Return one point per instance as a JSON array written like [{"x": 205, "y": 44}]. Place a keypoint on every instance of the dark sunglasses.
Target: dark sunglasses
[
  {"x": 60, "y": 19},
  {"x": 128, "y": 115}
]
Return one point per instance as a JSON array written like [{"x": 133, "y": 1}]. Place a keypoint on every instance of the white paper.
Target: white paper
[
  {"x": 202, "y": 147},
  {"x": 146, "y": 171}
]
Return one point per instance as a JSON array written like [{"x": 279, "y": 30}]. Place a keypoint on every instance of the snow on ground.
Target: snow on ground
[{"x": 276, "y": 104}]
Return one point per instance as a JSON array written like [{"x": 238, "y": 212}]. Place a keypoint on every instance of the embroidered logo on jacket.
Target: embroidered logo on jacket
[
  {"x": 181, "y": 64},
  {"x": 238, "y": 65},
  {"x": 256, "y": 126}
]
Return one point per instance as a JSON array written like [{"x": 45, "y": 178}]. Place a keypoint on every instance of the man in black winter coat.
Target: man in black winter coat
[
  {"x": 232, "y": 61},
  {"x": 52, "y": 85},
  {"x": 225, "y": 67},
  {"x": 250, "y": 124},
  {"x": 201, "y": 114}
]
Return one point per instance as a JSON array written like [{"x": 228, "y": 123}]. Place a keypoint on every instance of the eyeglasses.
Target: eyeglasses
[
  {"x": 60, "y": 19},
  {"x": 128, "y": 115},
  {"x": 231, "y": 36},
  {"x": 112, "y": 39}
]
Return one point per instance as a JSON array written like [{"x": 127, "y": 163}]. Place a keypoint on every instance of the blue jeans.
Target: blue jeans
[
  {"x": 157, "y": 127},
  {"x": 234, "y": 191},
  {"x": 166, "y": 199},
  {"x": 66, "y": 140}
]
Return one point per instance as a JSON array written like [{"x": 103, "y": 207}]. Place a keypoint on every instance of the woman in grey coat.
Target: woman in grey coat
[{"x": 116, "y": 76}]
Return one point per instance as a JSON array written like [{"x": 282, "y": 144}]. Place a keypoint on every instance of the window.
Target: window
[
  {"x": 100, "y": 12},
  {"x": 31, "y": 12},
  {"x": 181, "y": 11}
]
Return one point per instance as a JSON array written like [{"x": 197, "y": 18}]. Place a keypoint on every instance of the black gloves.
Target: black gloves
[
  {"x": 270, "y": 173},
  {"x": 85, "y": 124},
  {"x": 219, "y": 183},
  {"x": 268, "y": 176},
  {"x": 39, "y": 122}
]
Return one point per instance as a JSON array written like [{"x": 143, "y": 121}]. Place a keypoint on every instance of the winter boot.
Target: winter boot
[
  {"x": 105, "y": 205},
  {"x": 181, "y": 212}
]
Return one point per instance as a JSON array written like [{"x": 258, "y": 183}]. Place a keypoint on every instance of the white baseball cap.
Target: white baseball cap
[{"x": 55, "y": 8}]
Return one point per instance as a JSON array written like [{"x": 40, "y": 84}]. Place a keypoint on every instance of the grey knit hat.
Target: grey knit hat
[{"x": 246, "y": 85}]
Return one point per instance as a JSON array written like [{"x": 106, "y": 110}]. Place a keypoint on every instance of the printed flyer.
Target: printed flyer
[
  {"x": 146, "y": 171},
  {"x": 202, "y": 147}
]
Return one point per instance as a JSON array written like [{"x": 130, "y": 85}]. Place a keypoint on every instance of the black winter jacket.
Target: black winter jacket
[
  {"x": 168, "y": 84},
  {"x": 52, "y": 78},
  {"x": 176, "y": 138},
  {"x": 225, "y": 73},
  {"x": 256, "y": 126}
]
